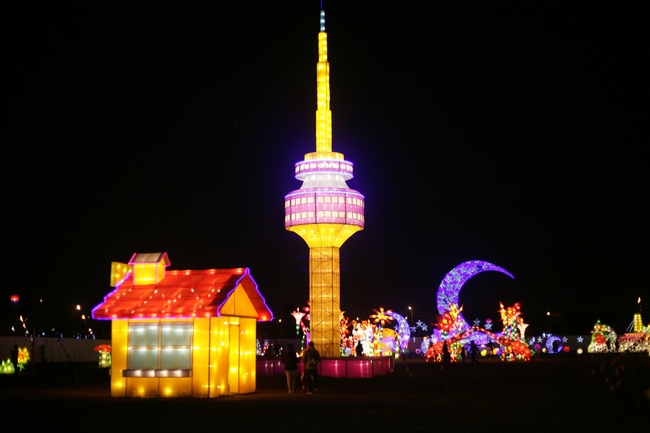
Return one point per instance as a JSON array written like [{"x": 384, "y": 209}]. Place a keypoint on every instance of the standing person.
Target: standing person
[
  {"x": 446, "y": 355},
  {"x": 290, "y": 361},
  {"x": 474, "y": 350},
  {"x": 14, "y": 357},
  {"x": 311, "y": 358},
  {"x": 303, "y": 375},
  {"x": 359, "y": 349}
]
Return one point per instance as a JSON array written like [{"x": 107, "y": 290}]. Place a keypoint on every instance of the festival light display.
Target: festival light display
[
  {"x": 302, "y": 324},
  {"x": 364, "y": 332},
  {"x": 382, "y": 317},
  {"x": 637, "y": 337},
  {"x": 375, "y": 338},
  {"x": 603, "y": 338},
  {"x": 324, "y": 212},
  {"x": 7, "y": 367},
  {"x": 452, "y": 329},
  {"x": 105, "y": 359},
  {"x": 635, "y": 342},
  {"x": 23, "y": 358},
  {"x": 403, "y": 330},
  {"x": 298, "y": 315},
  {"x": 347, "y": 343},
  {"x": 453, "y": 282},
  {"x": 637, "y": 323}
]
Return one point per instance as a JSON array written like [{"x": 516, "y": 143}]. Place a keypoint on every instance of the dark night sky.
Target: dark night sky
[{"x": 504, "y": 131}]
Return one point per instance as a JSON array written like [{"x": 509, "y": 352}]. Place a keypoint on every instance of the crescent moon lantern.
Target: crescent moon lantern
[
  {"x": 549, "y": 344},
  {"x": 453, "y": 282},
  {"x": 403, "y": 329}
]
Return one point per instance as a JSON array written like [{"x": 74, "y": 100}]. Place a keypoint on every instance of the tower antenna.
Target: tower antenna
[{"x": 322, "y": 17}]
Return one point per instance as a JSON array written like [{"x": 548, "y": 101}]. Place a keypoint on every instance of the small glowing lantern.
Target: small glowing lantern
[
  {"x": 298, "y": 315},
  {"x": 23, "y": 358},
  {"x": 104, "y": 355},
  {"x": 7, "y": 367}
]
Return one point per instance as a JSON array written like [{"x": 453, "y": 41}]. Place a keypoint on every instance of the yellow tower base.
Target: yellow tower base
[{"x": 325, "y": 298}]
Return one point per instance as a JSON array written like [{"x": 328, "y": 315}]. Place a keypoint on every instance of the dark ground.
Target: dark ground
[{"x": 550, "y": 395}]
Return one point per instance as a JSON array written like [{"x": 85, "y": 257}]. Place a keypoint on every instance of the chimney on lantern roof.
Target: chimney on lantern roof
[{"x": 149, "y": 268}]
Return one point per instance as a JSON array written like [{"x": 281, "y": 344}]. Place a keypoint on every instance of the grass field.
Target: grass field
[{"x": 594, "y": 394}]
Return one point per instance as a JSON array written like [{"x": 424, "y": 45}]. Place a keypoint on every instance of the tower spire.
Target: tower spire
[{"x": 323, "y": 113}]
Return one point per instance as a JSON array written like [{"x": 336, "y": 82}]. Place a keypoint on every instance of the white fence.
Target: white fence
[{"x": 53, "y": 349}]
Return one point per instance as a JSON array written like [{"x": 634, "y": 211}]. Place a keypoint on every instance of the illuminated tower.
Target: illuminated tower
[{"x": 325, "y": 212}]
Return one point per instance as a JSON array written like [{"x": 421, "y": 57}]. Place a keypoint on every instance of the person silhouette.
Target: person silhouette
[
  {"x": 446, "y": 355},
  {"x": 14, "y": 357},
  {"x": 311, "y": 359},
  {"x": 474, "y": 350},
  {"x": 290, "y": 361},
  {"x": 359, "y": 349}
]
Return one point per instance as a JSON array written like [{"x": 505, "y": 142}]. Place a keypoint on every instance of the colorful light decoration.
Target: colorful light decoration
[
  {"x": 7, "y": 367},
  {"x": 603, "y": 338},
  {"x": 453, "y": 282},
  {"x": 513, "y": 324},
  {"x": 638, "y": 321},
  {"x": 324, "y": 212},
  {"x": 403, "y": 329},
  {"x": 382, "y": 317},
  {"x": 105, "y": 357},
  {"x": 511, "y": 342},
  {"x": 23, "y": 358},
  {"x": 364, "y": 332},
  {"x": 552, "y": 347},
  {"x": 298, "y": 315},
  {"x": 375, "y": 339}
]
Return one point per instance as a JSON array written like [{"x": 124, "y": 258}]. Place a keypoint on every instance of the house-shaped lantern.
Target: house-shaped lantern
[{"x": 189, "y": 333}]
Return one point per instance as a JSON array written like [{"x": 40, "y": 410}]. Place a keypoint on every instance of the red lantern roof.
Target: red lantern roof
[{"x": 181, "y": 294}]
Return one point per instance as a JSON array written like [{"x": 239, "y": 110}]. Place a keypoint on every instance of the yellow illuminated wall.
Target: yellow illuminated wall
[
  {"x": 219, "y": 356},
  {"x": 223, "y": 360},
  {"x": 119, "y": 346},
  {"x": 247, "y": 360},
  {"x": 201, "y": 358},
  {"x": 238, "y": 304},
  {"x": 325, "y": 299}
]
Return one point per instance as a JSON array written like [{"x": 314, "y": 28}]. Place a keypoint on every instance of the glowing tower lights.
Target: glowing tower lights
[{"x": 324, "y": 212}]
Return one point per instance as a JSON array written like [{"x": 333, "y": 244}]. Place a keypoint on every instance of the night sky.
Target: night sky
[{"x": 503, "y": 131}]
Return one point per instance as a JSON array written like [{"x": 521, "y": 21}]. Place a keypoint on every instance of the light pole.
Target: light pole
[
  {"x": 411, "y": 324},
  {"x": 76, "y": 320}
]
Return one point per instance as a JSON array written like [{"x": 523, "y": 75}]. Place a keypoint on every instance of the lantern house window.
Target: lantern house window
[{"x": 159, "y": 350}]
